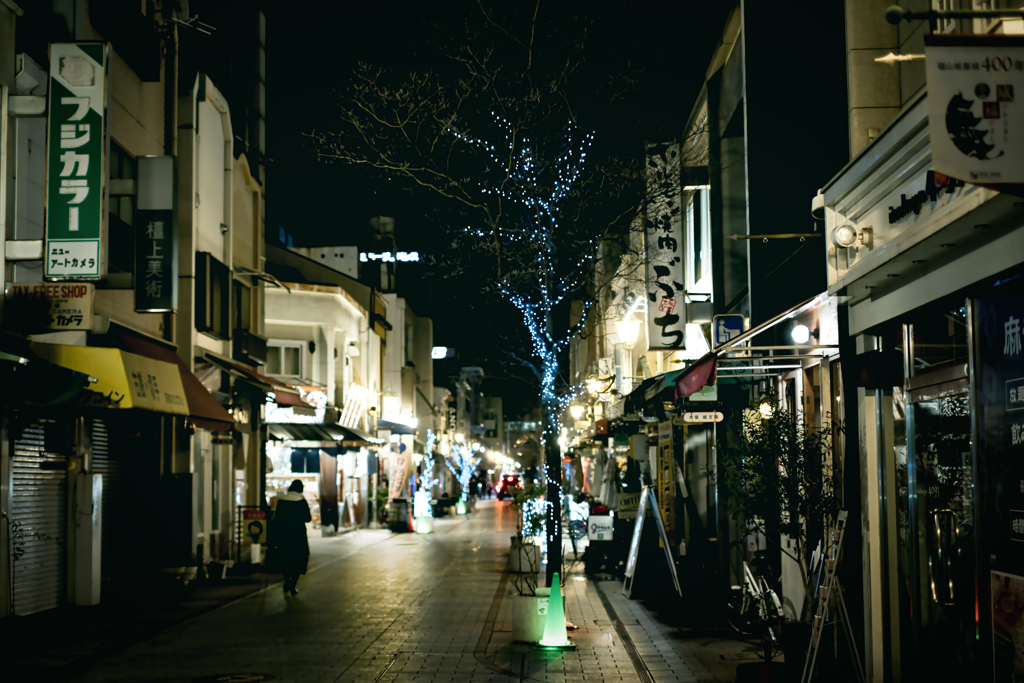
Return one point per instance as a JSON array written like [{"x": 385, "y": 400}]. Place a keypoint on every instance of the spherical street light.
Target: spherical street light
[{"x": 576, "y": 411}]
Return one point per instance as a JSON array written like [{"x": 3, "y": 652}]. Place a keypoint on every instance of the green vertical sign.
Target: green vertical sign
[{"x": 76, "y": 162}]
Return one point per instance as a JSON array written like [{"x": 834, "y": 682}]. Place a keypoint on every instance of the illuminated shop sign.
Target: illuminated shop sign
[{"x": 388, "y": 257}]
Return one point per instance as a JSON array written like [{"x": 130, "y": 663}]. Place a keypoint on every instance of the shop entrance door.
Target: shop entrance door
[{"x": 936, "y": 545}]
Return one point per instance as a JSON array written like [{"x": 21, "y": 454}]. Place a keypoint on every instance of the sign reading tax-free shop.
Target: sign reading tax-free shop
[{"x": 76, "y": 162}]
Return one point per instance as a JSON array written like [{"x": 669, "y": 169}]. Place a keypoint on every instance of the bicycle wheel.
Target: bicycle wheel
[
  {"x": 577, "y": 529},
  {"x": 742, "y": 612}
]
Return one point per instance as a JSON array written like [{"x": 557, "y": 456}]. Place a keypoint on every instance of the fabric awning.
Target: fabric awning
[
  {"x": 283, "y": 394},
  {"x": 36, "y": 382},
  {"x": 202, "y": 408},
  {"x": 126, "y": 379},
  {"x": 298, "y": 431},
  {"x": 395, "y": 427},
  {"x": 697, "y": 376},
  {"x": 635, "y": 400},
  {"x": 324, "y": 434},
  {"x": 665, "y": 381},
  {"x": 360, "y": 435}
]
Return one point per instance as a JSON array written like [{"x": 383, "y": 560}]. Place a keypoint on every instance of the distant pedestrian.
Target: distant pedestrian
[{"x": 289, "y": 534}]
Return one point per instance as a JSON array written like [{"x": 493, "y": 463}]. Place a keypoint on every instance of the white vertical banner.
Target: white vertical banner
[
  {"x": 975, "y": 124},
  {"x": 665, "y": 249}
]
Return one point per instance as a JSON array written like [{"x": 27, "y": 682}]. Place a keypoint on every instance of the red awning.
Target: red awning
[
  {"x": 204, "y": 410},
  {"x": 699, "y": 375},
  {"x": 284, "y": 395}
]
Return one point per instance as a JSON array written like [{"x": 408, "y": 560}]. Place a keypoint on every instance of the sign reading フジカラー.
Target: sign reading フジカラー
[{"x": 76, "y": 162}]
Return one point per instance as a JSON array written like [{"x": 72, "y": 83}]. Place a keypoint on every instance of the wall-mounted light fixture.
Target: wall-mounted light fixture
[{"x": 847, "y": 235}]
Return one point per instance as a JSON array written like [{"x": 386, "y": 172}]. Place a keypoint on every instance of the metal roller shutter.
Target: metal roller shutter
[
  {"x": 39, "y": 507},
  {"x": 110, "y": 506}
]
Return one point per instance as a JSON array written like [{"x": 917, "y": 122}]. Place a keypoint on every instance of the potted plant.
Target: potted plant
[
  {"x": 777, "y": 480},
  {"x": 530, "y": 603}
]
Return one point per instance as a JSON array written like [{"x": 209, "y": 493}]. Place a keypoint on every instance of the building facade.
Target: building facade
[
  {"x": 133, "y": 233},
  {"x": 927, "y": 268}
]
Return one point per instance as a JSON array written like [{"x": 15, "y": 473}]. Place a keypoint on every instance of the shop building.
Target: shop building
[
  {"x": 169, "y": 215},
  {"x": 327, "y": 340},
  {"x": 928, "y": 270},
  {"x": 696, "y": 312}
]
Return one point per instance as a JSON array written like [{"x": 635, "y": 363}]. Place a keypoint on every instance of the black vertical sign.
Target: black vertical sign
[
  {"x": 999, "y": 383},
  {"x": 156, "y": 255}
]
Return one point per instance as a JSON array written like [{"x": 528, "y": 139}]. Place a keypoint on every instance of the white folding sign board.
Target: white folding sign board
[
  {"x": 647, "y": 500},
  {"x": 976, "y": 126}
]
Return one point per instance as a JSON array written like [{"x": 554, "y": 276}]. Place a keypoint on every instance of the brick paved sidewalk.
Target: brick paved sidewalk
[
  {"x": 616, "y": 639},
  {"x": 54, "y": 644},
  {"x": 387, "y": 608}
]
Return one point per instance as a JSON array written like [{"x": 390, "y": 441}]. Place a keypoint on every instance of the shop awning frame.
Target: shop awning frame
[
  {"x": 204, "y": 410},
  {"x": 284, "y": 395},
  {"x": 303, "y": 434}
]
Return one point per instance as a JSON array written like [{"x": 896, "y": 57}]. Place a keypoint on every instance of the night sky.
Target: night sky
[{"x": 312, "y": 50}]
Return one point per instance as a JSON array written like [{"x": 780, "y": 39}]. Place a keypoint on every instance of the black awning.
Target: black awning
[
  {"x": 359, "y": 435},
  {"x": 635, "y": 399},
  {"x": 395, "y": 427},
  {"x": 297, "y": 431}
]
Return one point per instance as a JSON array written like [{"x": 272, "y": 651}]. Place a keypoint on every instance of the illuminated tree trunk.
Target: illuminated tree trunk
[{"x": 553, "y": 473}]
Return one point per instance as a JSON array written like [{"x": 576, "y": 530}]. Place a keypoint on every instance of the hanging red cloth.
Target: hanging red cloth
[{"x": 699, "y": 375}]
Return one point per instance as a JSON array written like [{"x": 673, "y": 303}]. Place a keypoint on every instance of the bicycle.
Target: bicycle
[{"x": 754, "y": 608}]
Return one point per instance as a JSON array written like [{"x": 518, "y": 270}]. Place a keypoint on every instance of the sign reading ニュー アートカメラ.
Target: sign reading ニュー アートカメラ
[
  {"x": 976, "y": 124},
  {"x": 76, "y": 162}
]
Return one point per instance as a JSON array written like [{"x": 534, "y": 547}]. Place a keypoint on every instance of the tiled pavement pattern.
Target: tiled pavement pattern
[{"x": 416, "y": 608}]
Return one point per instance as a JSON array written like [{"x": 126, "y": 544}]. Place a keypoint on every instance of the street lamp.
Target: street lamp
[
  {"x": 628, "y": 329},
  {"x": 576, "y": 410}
]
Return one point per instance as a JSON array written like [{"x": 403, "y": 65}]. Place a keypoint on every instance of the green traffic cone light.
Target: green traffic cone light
[{"x": 554, "y": 626}]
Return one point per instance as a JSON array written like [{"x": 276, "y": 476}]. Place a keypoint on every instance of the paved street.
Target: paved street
[{"x": 382, "y": 607}]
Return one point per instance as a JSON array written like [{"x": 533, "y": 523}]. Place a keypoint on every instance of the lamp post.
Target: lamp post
[{"x": 628, "y": 329}]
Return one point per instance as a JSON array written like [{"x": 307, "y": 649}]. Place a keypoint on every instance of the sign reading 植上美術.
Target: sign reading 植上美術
[
  {"x": 76, "y": 162},
  {"x": 154, "y": 261},
  {"x": 156, "y": 255},
  {"x": 663, "y": 233},
  {"x": 41, "y": 305},
  {"x": 976, "y": 126}
]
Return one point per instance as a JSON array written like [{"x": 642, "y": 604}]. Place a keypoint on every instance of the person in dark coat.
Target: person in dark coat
[{"x": 290, "y": 518}]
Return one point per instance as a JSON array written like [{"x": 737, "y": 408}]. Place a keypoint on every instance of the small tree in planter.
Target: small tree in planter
[
  {"x": 524, "y": 564},
  {"x": 529, "y": 505},
  {"x": 778, "y": 482}
]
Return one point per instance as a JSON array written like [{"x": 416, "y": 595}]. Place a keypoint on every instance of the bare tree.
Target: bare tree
[{"x": 491, "y": 125}]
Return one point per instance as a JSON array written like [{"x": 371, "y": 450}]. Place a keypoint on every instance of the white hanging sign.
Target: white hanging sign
[
  {"x": 976, "y": 126},
  {"x": 663, "y": 234}
]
